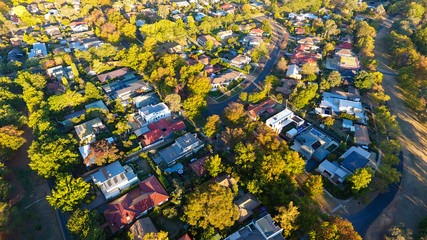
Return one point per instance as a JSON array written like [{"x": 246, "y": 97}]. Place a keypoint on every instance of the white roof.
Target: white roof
[
  {"x": 359, "y": 150},
  {"x": 348, "y": 103},
  {"x": 279, "y": 117},
  {"x": 330, "y": 167}
]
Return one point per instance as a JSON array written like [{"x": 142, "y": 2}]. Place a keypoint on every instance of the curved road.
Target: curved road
[{"x": 278, "y": 36}]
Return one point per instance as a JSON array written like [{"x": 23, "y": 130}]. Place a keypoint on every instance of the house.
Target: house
[
  {"x": 145, "y": 100},
  {"x": 181, "y": 4},
  {"x": 246, "y": 204},
  {"x": 262, "y": 228},
  {"x": 55, "y": 88},
  {"x": 255, "y": 111},
  {"x": 185, "y": 237},
  {"x": 282, "y": 119},
  {"x": 98, "y": 104},
  {"x": 199, "y": 17},
  {"x": 225, "y": 180},
  {"x": 288, "y": 86},
  {"x": 225, "y": 34},
  {"x": 59, "y": 72},
  {"x": 302, "y": 58},
  {"x": 103, "y": 78},
  {"x": 124, "y": 210},
  {"x": 114, "y": 178},
  {"x": 299, "y": 31},
  {"x": 85, "y": 151},
  {"x": 351, "y": 63},
  {"x": 153, "y": 113},
  {"x": 314, "y": 143},
  {"x": 198, "y": 166},
  {"x": 309, "y": 41},
  {"x": 203, "y": 59},
  {"x": 87, "y": 131},
  {"x": 225, "y": 78},
  {"x": 344, "y": 45},
  {"x": 302, "y": 16},
  {"x": 334, "y": 104},
  {"x": 53, "y": 31},
  {"x": 53, "y": 12},
  {"x": 306, "y": 48},
  {"x": 252, "y": 41},
  {"x": 361, "y": 135},
  {"x": 256, "y": 32},
  {"x": 142, "y": 227},
  {"x": 126, "y": 88},
  {"x": 15, "y": 55},
  {"x": 348, "y": 124},
  {"x": 352, "y": 159},
  {"x": 240, "y": 61},
  {"x": 33, "y": 8},
  {"x": 352, "y": 94},
  {"x": 293, "y": 71},
  {"x": 203, "y": 39},
  {"x": 160, "y": 131},
  {"x": 184, "y": 146},
  {"x": 77, "y": 27},
  {"x": 246, "y": 27},
  {"x": 39, "y": 50},
  {"x": 344, "y": 53}
]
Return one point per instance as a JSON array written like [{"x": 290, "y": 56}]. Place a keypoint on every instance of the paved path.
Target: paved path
[{"x": 279, "y": 32}]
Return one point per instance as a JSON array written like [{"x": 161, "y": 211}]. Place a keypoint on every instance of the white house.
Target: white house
[
  {"x": 114, "y": 178},
  {"x": 252, "y": 41},
  {"x": 225, "y": 78},
  {"x": 182, "y": 4},
  {"x": 240, "y": 61},
  {"x": 225, "y": 34},
  {"x": 153, "y": 113},
  {"x": 282, "y": 119},
  {"x": 39, "y": 49},
  {"x": 293, "y": 72}
]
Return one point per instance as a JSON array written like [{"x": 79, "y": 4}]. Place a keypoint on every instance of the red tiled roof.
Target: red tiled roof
[
  {"x": 226, "y": 6},
  {"x": 344, "y": 45},
  {"x": 198, "y": 166},
  {"x": 126, "y": 208},
  {"x": 302, "y": 58},
  {"x": 185, "y": 237},
  {"x": 257, "y": 30},
  {"x": 76, "y": 24},
  {"x": 111, "y": 75},
  {"x": 255, "y": 111},
  {"x": 161, "y": 129}
]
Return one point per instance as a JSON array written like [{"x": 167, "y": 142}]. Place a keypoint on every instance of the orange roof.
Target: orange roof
[
  {"x": 255, "y": 111},
  {"x": 185, "y": 237}
]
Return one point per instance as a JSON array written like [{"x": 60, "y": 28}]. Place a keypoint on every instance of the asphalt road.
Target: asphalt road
[{"x": 278, "y": 36}]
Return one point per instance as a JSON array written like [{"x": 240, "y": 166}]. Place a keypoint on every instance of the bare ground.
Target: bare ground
[
  {"x": 36, "y": 219},
  {"x": 409, "y": 204}
]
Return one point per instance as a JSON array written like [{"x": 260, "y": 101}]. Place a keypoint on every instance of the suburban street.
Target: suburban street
[{"x": 278, "y": 36}]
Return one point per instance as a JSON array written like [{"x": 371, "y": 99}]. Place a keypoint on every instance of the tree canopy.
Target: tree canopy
[{"x": 68, "y": 193}]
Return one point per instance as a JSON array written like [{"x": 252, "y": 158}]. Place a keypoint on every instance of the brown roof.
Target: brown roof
[
  {"x": 114, "y": 74},
  {"x": 198, "y": 166},
  {"x": 225, "y": 180},
  {"x": 361, "y": 135},
  {"x": 141, "y": 227},
  {"x": 185, "y": 237},
  {"x": 260, "y": 108}
]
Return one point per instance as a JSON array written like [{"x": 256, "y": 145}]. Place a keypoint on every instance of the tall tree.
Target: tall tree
[
  {"x": 213, "y": 165},
  {"x": 313, "y": 186},
  {"x": 156, "y": 236},
  {"x": 102, "y": 152},
  {"x": 361, "y": 178},
  {"x": 286, "y": 217},
  {"x": 211, "y": 205},
  {"x": 302, "y": 96},
  {"x": 92, "y": 92},
  {"x": 69, "y": 193},
  {"x": 336, "y": 228},
  {"x": 194, "y": 106},
  {"x": 10, "y": 140},
  {"x": 83, "y": 224},
  {"x": 235, "y": 113},
  {"x": 174, "y": 102},
  {"x": 212, "y": 126}
]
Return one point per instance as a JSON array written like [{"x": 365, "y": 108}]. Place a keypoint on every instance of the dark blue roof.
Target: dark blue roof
[{"x": 354, "y": 161}]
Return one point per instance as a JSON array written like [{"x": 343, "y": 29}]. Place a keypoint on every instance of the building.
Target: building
[
  {"x": 145, "y": 100},
  {"x": 153, "y": 113},
  {"x": 256, "y": 32},
  {"x": 126, "y": 88},
  {"x": 240, "y": 61},
  {"x": 59, "y": 72},
  {"x": 344, "y": 53},
  {"x": 225, "y": 78},
  {"x": 103, "y": 78},
  {"x": 282, "y": 119},
  {"x": 77, "y": 27},
  {"x": 252, "y": 41},
  {"x": 135, "y": 203},
  {"x": 313, "y": 143},
  {"x": 255, "y": 111},
  {"x": 114, "y": 178},
  {"x": 293, "y": 71},
  {"x": 87, "y": 131},
  {"x": 85, "y": 151},
  {"x": 198, "y": 166},
  {"x": 142, "y": 227},
  {"x": 225, "y": 34},
  {"x": 334, "y": 104},
  {"x": 351, "y": 63},
  {"x": 309, "y": 41},
  {"x": 246, "y": 204},
  {"x": 203, "y": 39},
  {"x": 262, "y": 228},
  {"x": 184, "y": 146},
  {"x": 39, "y": 50},
  {"x": 361, "y": 135},
  {"x": 161, "y": 131},
  {"x": 98, "y": 105}
]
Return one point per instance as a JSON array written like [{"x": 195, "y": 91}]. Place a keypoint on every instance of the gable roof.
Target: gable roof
[
  {"x": 161, "y": 129},
  {"x": 185, "y": 237},
  {"x": 260, "y": 108},
  {"x": 361, "y": 135},
  {"x": 142, "y": 227},
  {"x": 113, "y": 74},
  {"x": 128, "y": 207},
  {"x": 198, "y": 166}
]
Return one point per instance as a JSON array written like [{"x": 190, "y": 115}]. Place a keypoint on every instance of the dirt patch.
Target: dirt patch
[
  {"x": 409, "y": 205},
  {"x": 34, "y": 218}
]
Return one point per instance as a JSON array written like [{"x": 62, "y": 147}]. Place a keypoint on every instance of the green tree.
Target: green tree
[
  {"x": 392, "y": 147},
  {"x": 92, "y": 92},
  {"x": 420, "y": 39},
  {"x": 156, "y": 236},
  {"x": 209, "y": 44},
  {"x": 414, "y": 10},
  {"x": 385, "y": 121},
  {"x": 102, "y": 152},
  {"x": 313, "y": 186},
  {"x": 302, "y": 96},
  {"x": 199, "y": 85},
  {"x": 329, "y": 121},
  {"x": 286, "y": 217},
  {"x": 243, "y": 96},
  {"x": 334, "y": 79},
  {"x": 336, "y": 228},
  {"x": 389, "y": 174},
  {"x": 69, "y": 193},
  {"x": 194, "y": 106},
  {"x": 282, "y": 65},
  {"x": 66, "y": 100},
  {"x": 266, "y": 26},
  {"x": 27, "y": 80},
  {"x": 211, "y": 205},
  {"x": 398, "y": 232},
  {"x": 163, "y": 11},
  {"x": 10, "y": 140},
  {"x": 75, "y": 70},
  {"x": 235, "y": 113},
  {"x": 174, "y": 102},
  {"x": 51, "y": 158},
  {"x": 361, "y": 178},
  {"x": 309, "y": 68},
  {"x": 83, "y": 224},
  {"x": 212, "y": 126},
  {"x": 10, "y": 116},
  {"x": 213, "y": 165},
  {"x": 364, "y": 80}
]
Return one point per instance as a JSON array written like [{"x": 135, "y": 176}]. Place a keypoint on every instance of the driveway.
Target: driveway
[{"x": 278, "y": 33}]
